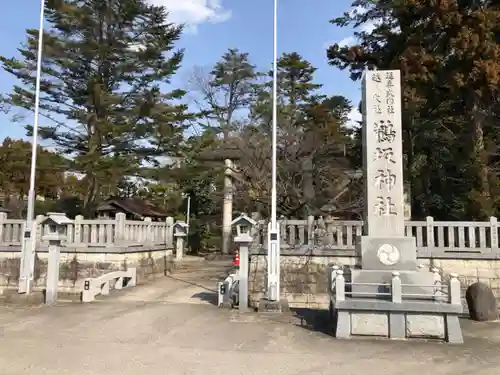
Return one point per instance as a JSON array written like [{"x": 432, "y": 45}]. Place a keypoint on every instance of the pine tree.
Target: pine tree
[
  {"x": 106, "y": 64},
  {"x": 225, "y": 92}
]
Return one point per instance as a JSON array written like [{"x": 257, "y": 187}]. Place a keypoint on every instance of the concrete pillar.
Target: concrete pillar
[
  {"x": 243, "y": 276},
  {"x": 169, "y": 232},
  {"x": 53, "y": 272},
  {"x": 227, "y": 207},
  {"x": 120, "y": 235}
]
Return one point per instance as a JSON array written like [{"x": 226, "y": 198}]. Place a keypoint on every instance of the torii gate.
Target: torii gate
[{"x": 228, "y": 154}]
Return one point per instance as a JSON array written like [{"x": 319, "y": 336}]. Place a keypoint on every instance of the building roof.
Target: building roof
[{"x": 136, "y": 206}]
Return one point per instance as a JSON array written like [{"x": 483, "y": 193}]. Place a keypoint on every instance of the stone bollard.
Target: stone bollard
[
  {"x": 454, "y": 290},
  {"x": 396, "y": 288},
  {"x": 438, "y": 285},
  {"x": 340, "y": 286},
  {"x": 333, "y": 276},
  {"x": 53, "y": 272}
]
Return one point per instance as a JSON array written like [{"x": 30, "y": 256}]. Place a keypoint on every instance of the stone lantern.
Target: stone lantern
[
  {"x": 180, "y": 233},
  {"x": 243, "y": 239},
  {"x": 57, "y": 231}
]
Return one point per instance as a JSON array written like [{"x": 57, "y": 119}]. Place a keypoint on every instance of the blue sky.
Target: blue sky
[{"x": 215, "y": 26}]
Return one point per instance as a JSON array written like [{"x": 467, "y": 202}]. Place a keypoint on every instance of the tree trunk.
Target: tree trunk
[{"x": 480, "y": 163}]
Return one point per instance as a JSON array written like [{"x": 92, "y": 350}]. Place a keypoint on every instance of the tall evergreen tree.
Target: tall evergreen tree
[
  {"x": 225, "y": 92},
  {"x": 106, "y": 64},
  {"x": 448, "y": 54}
]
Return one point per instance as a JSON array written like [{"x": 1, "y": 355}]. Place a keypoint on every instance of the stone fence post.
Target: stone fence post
[
  {"x": 77, "y": 229},
  {"x": 438, "y": 285},
  {"x": 38, "y": 228},
  {"x": 454, "y": 290},
  {"x": 429, "y": 223},
  {"x": 148, "y": 233},
  {"x": 169, "y": 232},
  {"x": 493, "y": 233},
  {"x": 340, "y": 286},
  {"x": 3, "y": 217},
  {"x": 310, "y": 231},
  {"x": 120, "y": 235},
  {"x": 396, "y": 288}
]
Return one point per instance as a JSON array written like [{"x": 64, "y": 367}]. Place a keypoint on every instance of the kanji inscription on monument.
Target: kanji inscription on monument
[{"x": 383, "y": 153}]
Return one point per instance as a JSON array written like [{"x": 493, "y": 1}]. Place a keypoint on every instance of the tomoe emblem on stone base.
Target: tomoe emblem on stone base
[{"x": 388, "y": 254}]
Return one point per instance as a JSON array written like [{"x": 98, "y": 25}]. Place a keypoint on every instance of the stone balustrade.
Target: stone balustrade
[
  {"x": 308, "y": 247},
  {"x": 476, "y": 239},
  {"x": 448, "y": 292},
  {"x": 91, "y": 249},
  {"x": 95, "y": 233}
]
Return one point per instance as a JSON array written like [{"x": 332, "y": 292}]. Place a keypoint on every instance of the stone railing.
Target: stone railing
[
  {"x": 470, "y": 239},
  {"x": 95, "y": 233}
]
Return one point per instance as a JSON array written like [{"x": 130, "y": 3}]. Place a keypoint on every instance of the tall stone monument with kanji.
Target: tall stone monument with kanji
[
  {"x": 384, "y": 247},
  {"x": 390, "y": 295}
]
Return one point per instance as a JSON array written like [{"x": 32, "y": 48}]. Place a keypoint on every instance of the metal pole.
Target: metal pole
[
  {"x": 188, "y": 213},
  {"x": 28, "y": 250},
  {"x": 275, "y": 116},
  {"x": 273, "y": 238}
]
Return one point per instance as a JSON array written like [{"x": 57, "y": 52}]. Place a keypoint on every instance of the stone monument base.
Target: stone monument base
[
  {"x": 387, "y": 253},
  {"x": 267, "y": 306},
  {"x": 409, "y": 319}
]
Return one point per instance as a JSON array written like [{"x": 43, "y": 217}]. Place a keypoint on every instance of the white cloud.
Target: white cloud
[
  {"x": 194, "y": 12},
  {"x": 354, "y": 116},
  {"x": 368, "y": 27}
]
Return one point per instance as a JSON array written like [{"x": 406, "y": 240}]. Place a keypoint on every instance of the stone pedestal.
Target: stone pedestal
[{"x": 380, "y": 256}]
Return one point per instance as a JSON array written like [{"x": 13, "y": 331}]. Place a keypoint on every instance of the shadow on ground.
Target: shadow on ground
[
  {"x": 314, "y": 320},
  {"x": 210, "y": 297}
]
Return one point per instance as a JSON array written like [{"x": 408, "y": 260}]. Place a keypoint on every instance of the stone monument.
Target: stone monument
[
  {"x": 385, "y": 247},
  {"x": 389, "y": 296}
]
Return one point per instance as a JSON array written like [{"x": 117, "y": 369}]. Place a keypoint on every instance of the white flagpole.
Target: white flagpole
[{"x": 28, "y": 246}]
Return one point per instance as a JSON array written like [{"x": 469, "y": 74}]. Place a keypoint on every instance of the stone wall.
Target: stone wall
[
  {"x": 76, "y": 266},
  {"x": 304, "y": 278}
]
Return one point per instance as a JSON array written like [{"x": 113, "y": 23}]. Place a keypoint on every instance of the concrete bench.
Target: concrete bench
[{"x": 92, "y": 287}]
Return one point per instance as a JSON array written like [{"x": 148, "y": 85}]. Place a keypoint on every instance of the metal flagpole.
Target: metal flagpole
[
  {"x": 188, "y": 211},
  {"x": 28, "y": 245},
  {"x": 273, "y": 249}
]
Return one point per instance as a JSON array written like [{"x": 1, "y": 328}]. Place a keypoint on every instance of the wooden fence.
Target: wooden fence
[
  {"x": 90, "y": 233},
  {"x": 434, "y": 238}
]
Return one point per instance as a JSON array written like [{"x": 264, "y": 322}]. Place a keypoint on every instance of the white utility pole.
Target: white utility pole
[{"x": 28, "y": 244}]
